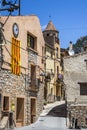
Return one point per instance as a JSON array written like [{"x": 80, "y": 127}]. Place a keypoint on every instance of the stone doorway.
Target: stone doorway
[
  {"x": 33, "y": 110},
  {"x": 20, "y": 112},
  {"x": 6, "y": 103}
]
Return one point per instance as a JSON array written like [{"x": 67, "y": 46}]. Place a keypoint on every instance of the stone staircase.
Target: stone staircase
[{"x": 4, "y": 123}]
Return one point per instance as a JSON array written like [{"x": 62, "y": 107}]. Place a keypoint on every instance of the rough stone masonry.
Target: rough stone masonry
[{"x": 75, "y": 75}]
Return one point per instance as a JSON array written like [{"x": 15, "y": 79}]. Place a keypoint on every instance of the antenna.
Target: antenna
[
  {"x": 10, "y": 6},
  {"x": 4, "y": 2},
  {"x": 19, "y": 7}
]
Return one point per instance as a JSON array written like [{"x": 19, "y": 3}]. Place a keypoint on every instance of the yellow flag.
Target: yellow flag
[{"x": 15, "y": 60}]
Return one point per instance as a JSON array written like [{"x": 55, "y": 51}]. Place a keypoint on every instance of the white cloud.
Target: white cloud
[{"x": 43, "y": 27}]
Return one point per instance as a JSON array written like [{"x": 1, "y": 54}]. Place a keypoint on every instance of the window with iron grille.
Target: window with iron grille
[{"x": 83, "y": 88}]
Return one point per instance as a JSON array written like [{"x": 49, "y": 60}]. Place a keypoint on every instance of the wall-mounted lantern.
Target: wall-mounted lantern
[{"x": 12, "y": 106}]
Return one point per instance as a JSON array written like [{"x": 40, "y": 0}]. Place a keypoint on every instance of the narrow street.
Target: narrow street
[
  {"x": 58, "y": 111},
  {"x": 47, "y": 123},
  {"x": 52, "y": 118}
]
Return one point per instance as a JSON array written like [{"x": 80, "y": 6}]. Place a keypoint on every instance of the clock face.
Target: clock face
[{"x": 15, "y": 30}]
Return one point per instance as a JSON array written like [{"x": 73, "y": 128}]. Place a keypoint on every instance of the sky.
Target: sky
[{"x": 68, "y": 16}]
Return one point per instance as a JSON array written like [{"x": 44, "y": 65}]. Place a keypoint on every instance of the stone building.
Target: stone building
[
  {"x": 53, "y": 89},
  {"x": 75, "y": 79},
  {"x": 21, "y": 86}
]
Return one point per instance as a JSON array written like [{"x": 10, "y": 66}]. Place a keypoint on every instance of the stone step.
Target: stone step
[{"x": 3, "y": 122}]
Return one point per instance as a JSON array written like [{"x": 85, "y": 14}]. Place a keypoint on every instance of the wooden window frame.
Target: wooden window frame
[
  {"x": 31, "y": 41},
  {"x": 83, "y": 88},
  {"x": 6, "y": 103}
]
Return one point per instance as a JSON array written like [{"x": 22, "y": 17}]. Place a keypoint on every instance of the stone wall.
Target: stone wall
[
  {"x": 75, "y": 71},
  {"x": 14, "y": 86},
  {"x": 40, "y": 99},
  {"x": 18, "y": 86},
  {"x": 79, "y": 113}
]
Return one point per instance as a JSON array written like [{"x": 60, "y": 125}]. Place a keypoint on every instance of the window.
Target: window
[
  {"x": 56, "y": 52},
  {"x": 1, "y": 37},
  {"x": 51, "y": 54},
  {"x": 83, "y": 88},
  {"x": 51, "y": 91},
  {"x": 57, "y": 71},
  {"x": 47, "y": 34},
  {"x": 33, "y": 75},
  {"x": 6, "y": 103},
  {"x": 43, "y": 54},
  {"x": 31, "y": 41}
]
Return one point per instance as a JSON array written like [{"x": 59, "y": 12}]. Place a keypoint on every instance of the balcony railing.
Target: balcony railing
[
  {"x": 34, "y": 85},
  {"x": 59, "y": 78}
]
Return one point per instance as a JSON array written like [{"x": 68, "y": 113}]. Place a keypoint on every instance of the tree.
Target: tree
[{"x": 80, "y": 43}]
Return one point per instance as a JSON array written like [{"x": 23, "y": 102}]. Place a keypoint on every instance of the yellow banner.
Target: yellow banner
[{"x": 15, "y": 60}]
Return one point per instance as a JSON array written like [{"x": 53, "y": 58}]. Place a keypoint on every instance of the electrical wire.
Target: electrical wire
[
  {"x": 27, "y": 51},
  {"x": 15, "y": 2},
  {"x": 8, "y": 50},
  {"x": 16, "y": 61},
  {"x": 16, "y": 45},
  {"x": 73, "y": 28},
  {"x": 6, "y": 19}
]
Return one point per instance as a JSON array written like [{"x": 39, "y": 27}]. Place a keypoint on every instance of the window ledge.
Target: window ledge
[
  {"x": 29, "y": 48},
  {"x": 34, "y": 89}
]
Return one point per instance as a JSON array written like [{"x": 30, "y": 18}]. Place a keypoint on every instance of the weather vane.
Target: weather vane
[{"x": 50, "y": 17}]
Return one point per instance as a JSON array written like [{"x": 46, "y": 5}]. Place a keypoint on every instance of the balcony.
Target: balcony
[
  {"x": 48, "y": 77},
  {"x": 33, "y": 88},
  {"x": 59, "y": 78},
  {"x": 34, "y": 85}
]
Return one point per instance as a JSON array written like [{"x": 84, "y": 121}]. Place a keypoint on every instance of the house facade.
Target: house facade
[
  {"x": 52, "y": 64},
  {"x": 75, "y": 79},
  {"x": 21, "y": 86}
]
